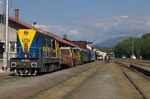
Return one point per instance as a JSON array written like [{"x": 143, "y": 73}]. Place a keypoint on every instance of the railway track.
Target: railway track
[
  {"x": 140, "y": 71},
  {"x": 64, "y": 85},
  {"x": 143, "y": 68},
  {"x": 140, "y": 85},
  {"x": 134, "y": 84},
  {"x": 140, "y": 62}
]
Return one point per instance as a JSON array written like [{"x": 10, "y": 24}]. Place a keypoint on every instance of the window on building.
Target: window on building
[
  {"x": 12, "y": 47},
  {"x": 1, "y": 49}
]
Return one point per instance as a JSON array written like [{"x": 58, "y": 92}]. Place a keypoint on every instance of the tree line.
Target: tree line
[{"x": 137, "y": 46}]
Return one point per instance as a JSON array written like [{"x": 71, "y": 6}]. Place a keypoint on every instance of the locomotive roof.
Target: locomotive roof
[
  {"x": 64, "y": 47},
  {"x": 42, "y": 31}
]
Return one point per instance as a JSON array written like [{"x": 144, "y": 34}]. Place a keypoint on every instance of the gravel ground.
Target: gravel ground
[
  {"x": 22, "y": 89},
  {"x": 5, "y": 74},
  {"x": 108, "y": 83}
]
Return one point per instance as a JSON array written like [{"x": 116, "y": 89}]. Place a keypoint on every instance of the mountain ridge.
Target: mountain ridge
[{"x": 112, "y": 42}]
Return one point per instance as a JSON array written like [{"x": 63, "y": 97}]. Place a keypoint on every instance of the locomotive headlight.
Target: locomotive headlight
[
  {"x": 13, "y": 64},
  {"x": 25, "y": 32},
  {"x": 33, "y": 64}
]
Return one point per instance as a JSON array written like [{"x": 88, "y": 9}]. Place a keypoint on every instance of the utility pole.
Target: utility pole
[{"x": 5, "y": 54}]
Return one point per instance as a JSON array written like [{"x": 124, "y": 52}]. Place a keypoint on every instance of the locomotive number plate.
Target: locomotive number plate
[{"x": 25, "y": 60}]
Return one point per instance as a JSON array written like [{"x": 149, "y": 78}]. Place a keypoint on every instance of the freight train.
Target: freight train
[{"x": 38, "y": 52}]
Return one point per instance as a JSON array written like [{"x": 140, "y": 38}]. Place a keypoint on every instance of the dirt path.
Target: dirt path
[
  {"x": 108, "y": 83},
  {"x": 22, "y": 89}
]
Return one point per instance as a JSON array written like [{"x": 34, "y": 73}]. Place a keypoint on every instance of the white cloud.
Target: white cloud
[
  {"x": 100, "y": 29},
  {"x": 59, "y": 30},
  {"x": 123, "y": 16},
  {"x": 74, "y": 32},
  {"x": 40, "y": 26},
  {"x": 105, "y": 28}
]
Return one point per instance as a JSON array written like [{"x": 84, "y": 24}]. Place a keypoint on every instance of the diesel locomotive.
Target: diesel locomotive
[{"x": 36, "y": 53}]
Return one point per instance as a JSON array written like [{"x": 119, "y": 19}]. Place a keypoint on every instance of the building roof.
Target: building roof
[{"x": 40, "y": 30}]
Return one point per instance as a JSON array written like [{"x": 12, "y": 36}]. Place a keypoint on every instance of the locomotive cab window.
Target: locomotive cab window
[
  {"x": 65, "y": 51},
  {"x": 53, "y": 43},
  {"x": 53, "y": 48}
]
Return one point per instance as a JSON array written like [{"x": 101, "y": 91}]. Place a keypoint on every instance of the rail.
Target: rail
[{"x": 132, "y": 82}]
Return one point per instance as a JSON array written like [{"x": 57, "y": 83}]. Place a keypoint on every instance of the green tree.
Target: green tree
[
  {"x": 141, "y": 47},
  {"x": 124, "y": 47}
]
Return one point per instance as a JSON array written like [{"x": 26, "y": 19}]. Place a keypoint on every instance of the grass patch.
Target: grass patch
[{"x": 6, "y": 80}]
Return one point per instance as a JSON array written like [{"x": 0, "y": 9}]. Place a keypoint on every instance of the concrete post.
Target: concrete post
[{"x": 5, "y": 55}]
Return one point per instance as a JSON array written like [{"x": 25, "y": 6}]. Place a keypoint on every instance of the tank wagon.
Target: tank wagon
[{"x": 36, "y": 53}]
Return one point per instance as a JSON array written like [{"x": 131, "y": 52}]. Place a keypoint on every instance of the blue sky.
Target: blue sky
[
  {"x": 92, "y": 20},
  {"x": 58, "y": 11}
]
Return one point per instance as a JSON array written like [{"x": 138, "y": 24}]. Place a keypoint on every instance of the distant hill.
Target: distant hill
[{"x": 111, "y": 42}]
